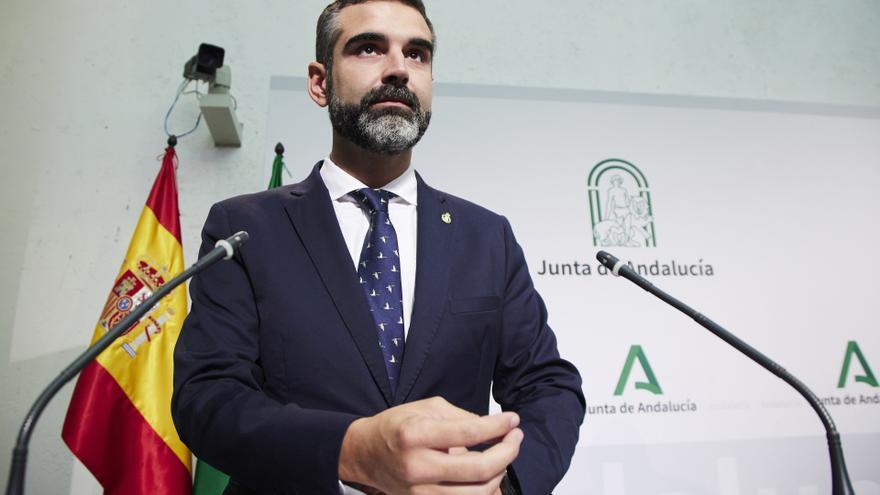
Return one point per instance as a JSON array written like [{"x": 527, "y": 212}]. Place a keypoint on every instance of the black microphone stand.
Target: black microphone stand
[
  {"x": 18, "y": 465},
  {"x": 840, "y": 484}
]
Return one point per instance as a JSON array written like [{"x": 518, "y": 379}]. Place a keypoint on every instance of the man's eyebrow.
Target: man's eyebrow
[
  {"x": 362, "y": 37},
  {"x": 426, "y": 44},
  {"x": 378, "y": 37}
]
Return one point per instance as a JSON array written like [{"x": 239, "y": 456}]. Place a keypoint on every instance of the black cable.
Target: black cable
[{"x": 180, "y": 91}]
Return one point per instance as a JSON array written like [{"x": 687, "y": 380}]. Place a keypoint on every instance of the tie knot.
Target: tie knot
[{"x": 373, "y": 199}]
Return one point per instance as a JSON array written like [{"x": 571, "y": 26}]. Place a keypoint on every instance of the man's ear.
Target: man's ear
[{"x": 318, "y": 84}]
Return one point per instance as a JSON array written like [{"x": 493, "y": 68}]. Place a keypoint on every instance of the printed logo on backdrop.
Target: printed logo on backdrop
[
  {"x": 638, "y": 397},
  {"x": 636, "y": 353},
  {"x": 622, "y": 216},
  {"x": 620, "y": 205},
  {"x": 867, "y": 376},
  {"x": 856, "y": 378}
]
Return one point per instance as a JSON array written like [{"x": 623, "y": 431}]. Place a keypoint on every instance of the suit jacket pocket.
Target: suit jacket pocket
[{"x": 474, "y": 304}]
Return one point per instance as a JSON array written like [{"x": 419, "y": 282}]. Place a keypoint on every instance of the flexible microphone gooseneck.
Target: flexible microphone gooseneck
[
  {"x": 224, "y": 249},
  {"x": 840, "y": 484}
]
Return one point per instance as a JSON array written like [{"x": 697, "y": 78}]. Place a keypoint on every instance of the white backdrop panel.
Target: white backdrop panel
[{"x": 772, "y": 204}]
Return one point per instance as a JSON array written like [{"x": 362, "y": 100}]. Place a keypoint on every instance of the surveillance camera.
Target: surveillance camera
[
  {"x": 204, "y": 64},
  {"x": 217, "y": 106}
]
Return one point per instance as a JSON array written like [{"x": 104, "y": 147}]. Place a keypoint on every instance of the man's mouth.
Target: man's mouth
[
  {"x": 390, "y": 97},
  {"x": 393, "y": 102}
]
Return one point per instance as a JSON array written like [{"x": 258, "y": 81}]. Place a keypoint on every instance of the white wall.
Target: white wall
[{"x": 84, "y": 87}]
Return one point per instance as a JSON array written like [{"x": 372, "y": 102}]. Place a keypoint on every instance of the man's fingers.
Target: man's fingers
[
  {"x": 428, "y": 440},
  {"x": 470, "y": 467},
  {"x": 447, "y": 433},
  {"x": 440, "y": 408},
  {"x": 489, "y": 487}
]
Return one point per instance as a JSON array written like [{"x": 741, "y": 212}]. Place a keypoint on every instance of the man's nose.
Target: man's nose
[{"x": 396, "y": 71}]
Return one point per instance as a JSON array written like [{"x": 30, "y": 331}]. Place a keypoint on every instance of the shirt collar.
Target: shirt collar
[{"x": 339, "y": 183}]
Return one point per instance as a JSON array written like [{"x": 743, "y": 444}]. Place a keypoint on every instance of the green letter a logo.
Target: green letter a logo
[
  {"x": 853, "y": 349},
  {"x": 636, "y": 352}
]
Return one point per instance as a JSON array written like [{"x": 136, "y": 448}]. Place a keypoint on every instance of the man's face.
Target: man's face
[{"x": 379, "y": 87}]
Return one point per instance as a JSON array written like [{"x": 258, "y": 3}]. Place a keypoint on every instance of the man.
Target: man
[{"x": 357, "y": 335}]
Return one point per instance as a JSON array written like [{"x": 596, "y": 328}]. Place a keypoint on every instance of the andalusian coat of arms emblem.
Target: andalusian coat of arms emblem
[{"x": 620, "y": 205}]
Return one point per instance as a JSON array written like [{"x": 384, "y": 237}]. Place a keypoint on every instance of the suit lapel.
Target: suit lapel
[
  {"x": 312, "y": 215},
  {"x": 433, "y": 260}
]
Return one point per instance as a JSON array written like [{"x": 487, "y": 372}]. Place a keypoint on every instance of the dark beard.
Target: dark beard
[{"x": 388, "y": 131}]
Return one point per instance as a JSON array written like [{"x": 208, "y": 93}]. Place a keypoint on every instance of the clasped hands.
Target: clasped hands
[{"x": 421, "y": 448}]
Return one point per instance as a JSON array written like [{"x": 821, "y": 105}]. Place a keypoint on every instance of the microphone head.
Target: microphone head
[
  {"x": 238, "y": 239},
  {"x": 232, "y": 243},
  {"x": 607, "y": 259}
]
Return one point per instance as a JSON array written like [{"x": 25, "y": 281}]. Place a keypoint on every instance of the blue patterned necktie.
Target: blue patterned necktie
[{"x": 379, "y": 276}]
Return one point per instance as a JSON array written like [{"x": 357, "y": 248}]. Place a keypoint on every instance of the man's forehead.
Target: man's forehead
[{"x": 390, "y": 18}]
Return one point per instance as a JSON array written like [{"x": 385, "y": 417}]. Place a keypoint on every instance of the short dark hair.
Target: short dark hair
[{"x": 328, "y": 31}]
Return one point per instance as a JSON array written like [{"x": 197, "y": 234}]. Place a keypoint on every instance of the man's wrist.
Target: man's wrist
[{"x": 350, "y": 452}]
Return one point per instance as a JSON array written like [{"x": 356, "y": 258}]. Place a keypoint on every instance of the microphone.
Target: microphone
[
  {"x": 840, "y": 483},
  {"x": 223, "y": 249}
]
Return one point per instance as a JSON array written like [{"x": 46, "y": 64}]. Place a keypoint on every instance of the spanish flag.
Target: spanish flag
[{"x": 119, "y": 419}]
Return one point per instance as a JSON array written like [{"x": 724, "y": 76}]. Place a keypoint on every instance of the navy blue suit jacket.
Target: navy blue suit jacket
[{"x": 279, "y": 353}]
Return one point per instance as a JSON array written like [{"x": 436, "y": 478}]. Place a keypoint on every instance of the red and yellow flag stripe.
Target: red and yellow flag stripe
[{"x": 119, "y": 419}]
